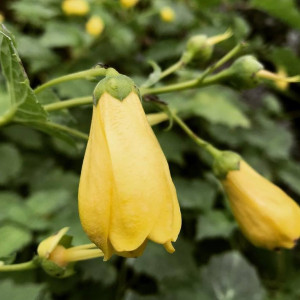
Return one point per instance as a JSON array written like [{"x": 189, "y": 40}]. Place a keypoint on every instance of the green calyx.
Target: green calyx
[
  {"x": 197, "y": 48},
  {"x": 118, "y": 86},
  {"x": 225, "y": 162},
  {"x": 243, "y": 72}
]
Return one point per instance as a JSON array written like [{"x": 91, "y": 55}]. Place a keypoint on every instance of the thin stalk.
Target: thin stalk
[
  {"x": 68, "y": 103},
  {"x": 78, "y": 75},
  {"x": 82, "y": 254},
  {"x": 171, "y": 69},
  {"x": 214, "y": 152},
  {"x": 18, "y": 267},
  {"x": 69, "y": 130}
]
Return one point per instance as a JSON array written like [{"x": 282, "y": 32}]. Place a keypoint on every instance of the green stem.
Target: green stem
[
  {"x": 6, "y": 118},
  {"x": 171, "y": 69},
  {"x": 202, "y": 80},
  {"x": 19, "y": 267},
  {"x": 69, "y": 130},
  {"x": 199, "y": 82},
  {"x": 78, "y": 75},
  {"x": 214, "y": 152},
  {"x": 68, "y": 103}
]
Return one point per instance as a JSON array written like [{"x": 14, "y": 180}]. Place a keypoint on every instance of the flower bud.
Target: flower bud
[
  {"x": 243, "y": 72},
  {"x": 75, "y": 7},
  {"x": 267, "y": 216},
  {"x": 94, "y": 26},
  {"x": 167, "y": 14},
  {"x": 128, "y": 3},
  {"x": 126, "y": 194}
]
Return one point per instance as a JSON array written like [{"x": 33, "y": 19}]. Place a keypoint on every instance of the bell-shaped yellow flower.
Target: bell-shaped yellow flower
[
  {"x": 126, "y": 194},
  {"x": 268, "y": 217},
  {"x": 94, "y": 26}
]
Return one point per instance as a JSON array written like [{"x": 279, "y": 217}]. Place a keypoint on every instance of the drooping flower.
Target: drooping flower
[
  {"x": 267, "y": 216},
  {"x": 126, "y": 194}
]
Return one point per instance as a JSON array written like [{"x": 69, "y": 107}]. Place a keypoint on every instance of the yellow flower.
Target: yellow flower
[
  {"x": 268, "y": 217},
  {"x": 75, "y": 7},
  {"x": 94, "y": 26},
  {"x": 126, "y": 194},
  {"x": 128, "y": 3},
  {"x": 1, "y": 18},
  {"x": 167, "y": 14},
  {"x": 56, "y": 258}
]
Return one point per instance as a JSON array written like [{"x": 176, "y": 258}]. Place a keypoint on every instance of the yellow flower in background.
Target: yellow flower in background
[
  {"x": 1, "y": 18},
  {"x": 75, "y": 7},
  {"x": 126, "y": 194},
  {"x": 94, "y": 26},
  {"x": 167, "y": 14},
  {"x": 128, "y": 3},
  {"x": 267, "y": 216}
]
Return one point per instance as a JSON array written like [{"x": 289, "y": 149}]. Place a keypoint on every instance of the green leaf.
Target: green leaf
[
  {"x": 195, "y": 194},
  {"x": 154, "y": 76},
  {"x": 289, "y": 173},
  {"x": 10, "y": 163},
  {"x": 285, "y": 10},
  {"x": 218, "y": 105},
  {"x": 10, "y": 290},
  {"x": 229, "y": 276},
  {"x": 48, "y": 202},
  {"x": 23, "y": 102},
  {"x": 214, "y": 224},
  {"x": 13, "y": 238}
]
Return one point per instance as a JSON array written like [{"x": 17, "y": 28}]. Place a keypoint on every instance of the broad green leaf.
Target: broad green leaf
[
  {"x": 289, "y": 173},
  {"x": 13, "y": 238},
  {"x": 229, "y": 276},
  {"x": 195, "y": 194},
  {"x": 13, "y": 291},
  {"x": 23, "y": 102},
  {"x": 10, "y": 163},
  {"x": 48, "y": 202},
  {"x": 214, "y": 224},
  {"x": 285, "y": 10}
]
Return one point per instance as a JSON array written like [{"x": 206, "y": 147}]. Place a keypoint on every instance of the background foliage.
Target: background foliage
[{"x": 39, "y": 173}]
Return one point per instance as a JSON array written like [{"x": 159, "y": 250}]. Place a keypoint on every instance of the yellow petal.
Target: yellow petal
[
  {"x": 138, "y": 170},
  {"x": 268, "y": 217},
  {"x": 96, "y": 187}
]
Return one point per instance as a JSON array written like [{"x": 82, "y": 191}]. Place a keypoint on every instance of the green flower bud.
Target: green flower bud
[{"x": 242, "y": 73}]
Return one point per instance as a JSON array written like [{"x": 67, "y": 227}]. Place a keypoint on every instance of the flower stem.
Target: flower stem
[
  {"x": 87, "y": 74},
  {"x": 171, "y": 69},
  {"x": 69, "y": 130},
  {"x": 19, "y": 267},
  {"x": 202, "y": 80},
  {"x": 214, "y": 152},
  {"x": 68, "y": 103}
]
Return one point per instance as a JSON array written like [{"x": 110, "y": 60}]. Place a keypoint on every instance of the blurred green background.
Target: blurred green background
[{"x": 39, "y": 173}]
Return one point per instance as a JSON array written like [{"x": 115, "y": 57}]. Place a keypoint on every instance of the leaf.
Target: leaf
[
  {"x": 195, "y": 194},
  {"x": 214, "y": 224},
  {"x": 10, "y": 290},
  {"x": 13, "y": 238},
  {"x": 154, "y": 76},
  {"x": 284, "y": 10},
  {"x": 229, "y": 276},
  {"x": 48, "y": 202},
  {"x": 289, "y": 173},
  {"x": 218, "y": 105},
  {"x": 10, "y": 163},
  {"x": 23, "y": 102}
]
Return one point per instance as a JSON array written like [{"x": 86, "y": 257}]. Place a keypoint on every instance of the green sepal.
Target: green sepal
[
  {"x": 198, "y": 49},
  {"x": 243, "y": 72},
  {"x": 118, "y": 86},
  {"x": 225, "y": 162},
  {"x": 52, "y": 269}
]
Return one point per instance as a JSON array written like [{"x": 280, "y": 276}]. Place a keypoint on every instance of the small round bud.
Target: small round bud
[
  {"x": 225, "y": 162},
  {"x": 243, "y": 72},
  {"x": 167, "y": 14},
  {"x": 95, "y": 26},
  {"x": 75, "y": 7},
  {"x": 128, "y": 3}
]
